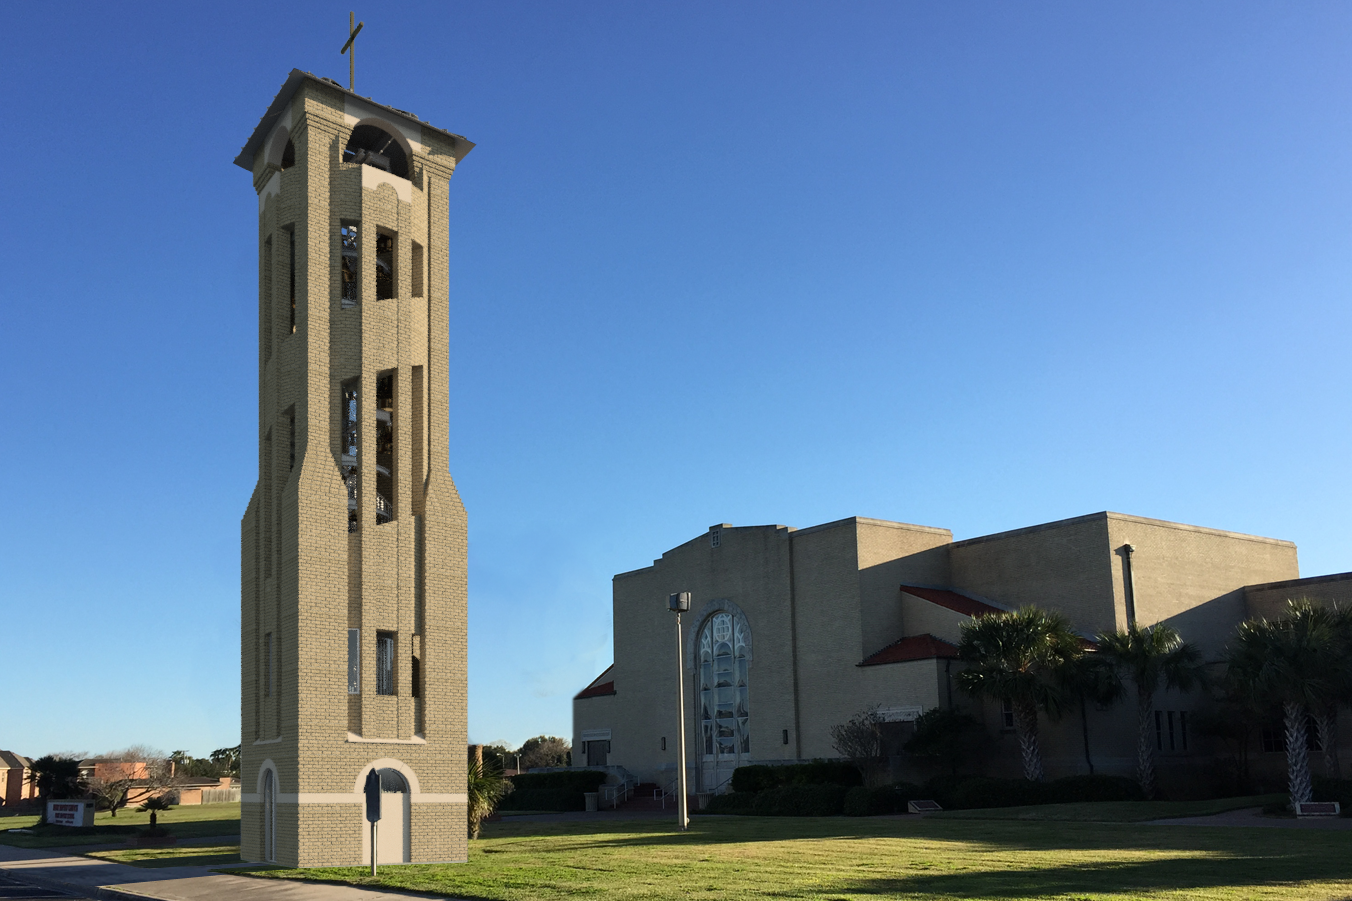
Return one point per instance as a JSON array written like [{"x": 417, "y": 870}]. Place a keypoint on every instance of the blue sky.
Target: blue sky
[{"x": 964, "y": 264}]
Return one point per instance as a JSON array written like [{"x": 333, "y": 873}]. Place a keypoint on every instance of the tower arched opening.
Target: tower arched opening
[{"x": 371, "y": 144}]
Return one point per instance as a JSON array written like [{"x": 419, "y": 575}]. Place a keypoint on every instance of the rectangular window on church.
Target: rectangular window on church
[
  {"x": 386, "y": 284},
  {"x": 415, "y": 679},
  {"x": 384, "y": 663},
  {"x": 417, "y": 273},
  {"x": 354, "y": 661},
  {"x": 350, "y": 243}
]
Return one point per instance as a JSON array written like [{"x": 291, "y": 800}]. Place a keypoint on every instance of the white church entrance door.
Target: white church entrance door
[
  {"x": 393, "y": 838},
  {"x": 724, "y": 676}
]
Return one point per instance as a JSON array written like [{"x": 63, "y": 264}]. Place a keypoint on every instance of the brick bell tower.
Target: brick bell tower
[{"x": 353, "y": 648}]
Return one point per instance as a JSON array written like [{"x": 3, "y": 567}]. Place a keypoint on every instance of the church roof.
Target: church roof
[
  {"x": 603, "y": 684},
  {"x": 912, "y": 647},
  {"x": 293, "y": 82},
  {"x": 952, "y": 600}
]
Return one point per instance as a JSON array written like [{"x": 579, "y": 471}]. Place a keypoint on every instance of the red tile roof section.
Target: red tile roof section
[
  {"x": 952, "y": 600},
  {"x": 597, "y": 688},
  {"x": 912, "y": 647}
]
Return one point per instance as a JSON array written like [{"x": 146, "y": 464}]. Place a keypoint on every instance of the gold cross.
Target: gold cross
[{"x": 352, "y": 57}]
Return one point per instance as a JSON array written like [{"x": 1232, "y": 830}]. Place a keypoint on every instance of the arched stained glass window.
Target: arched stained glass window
[{"x": 724, "y": 675}]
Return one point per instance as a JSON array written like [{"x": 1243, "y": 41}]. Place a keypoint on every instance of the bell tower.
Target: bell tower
[{"x": 353, "y": 592}]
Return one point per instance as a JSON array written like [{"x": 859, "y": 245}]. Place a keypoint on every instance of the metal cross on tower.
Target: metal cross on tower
[{"x": 352, "y": 57}]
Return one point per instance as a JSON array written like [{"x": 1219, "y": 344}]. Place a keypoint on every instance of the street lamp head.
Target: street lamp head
[{"x": 679, "y": 602}]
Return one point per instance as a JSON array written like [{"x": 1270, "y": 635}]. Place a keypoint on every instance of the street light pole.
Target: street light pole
[{"x": 678, "y": 604}]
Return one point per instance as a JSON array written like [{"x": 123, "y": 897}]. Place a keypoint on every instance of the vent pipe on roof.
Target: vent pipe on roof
[{"x": 1129, "y": 583}]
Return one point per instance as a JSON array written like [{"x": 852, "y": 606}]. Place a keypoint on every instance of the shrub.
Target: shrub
[
  {"x": 760, "y": 777},
  {"x": 858, "y": 802},
  {"x": 943, "y": 789},
  {"x": 732, "y": 802},
  {"x": 801, "y": 801},
  {"x": 980, "y": 792},
  {"x": 1339, "y": 790}
]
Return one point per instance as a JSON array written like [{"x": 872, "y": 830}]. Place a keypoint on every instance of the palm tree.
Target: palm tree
[
  {"x": 1289, "y": 662},
  {"x": 1088, "y": 679},
  {"x": 1014, "y": 657},
  {"x": 1150, "y": 657},
  {"x": 56, "y": 778},
  {"x": 1339, "y": 676},
  {"x": 486, "y": 786}
]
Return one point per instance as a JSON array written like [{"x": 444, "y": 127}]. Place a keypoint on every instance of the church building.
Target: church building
[
  {"x": 794, "y": 631},
  {"x": 353, "y": 627}
]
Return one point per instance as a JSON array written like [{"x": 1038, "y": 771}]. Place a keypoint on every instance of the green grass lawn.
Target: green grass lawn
[
  {"x": 905, "y": 857},
  {"x": 195, "y": 821},
  {"x": 173, "y": 856},
  {"x": 1113, "y": 811}
]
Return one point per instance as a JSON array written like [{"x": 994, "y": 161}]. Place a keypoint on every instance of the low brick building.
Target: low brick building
[
  {"x": 793, "y": 631},
  {"x": 16, "y": 784}
]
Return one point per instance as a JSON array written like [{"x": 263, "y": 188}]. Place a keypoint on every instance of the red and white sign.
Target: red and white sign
[{"x": 70, "y": 813}]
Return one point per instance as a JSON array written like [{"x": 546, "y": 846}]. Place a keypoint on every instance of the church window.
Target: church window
[
  {"x": 265, "y": 315},
  {"x": 291, "y": 267},
  {"x": 724, "y": 661},
  {"x": 385, "y": 262},
  {"x": 1006, "y": 714},
  {"x": 350, "y": 470},
  {"x": 415, "y": 678},
  {"x": 417, "y": 273},
  {"x": 289, "y": 155},
  {"x": 267, "y": 665},
  {"x": 291, "y": 433},
  {"x": 384, "y": 433},
  {"x": 786, "y": 736},
  {"x": 715, "y": 537},
  {"x": 384, "y": 663},
  {"x": 354, "y": 661},
  {"x": 664, "y": 743},
  {"x": 350, "y": 243}
]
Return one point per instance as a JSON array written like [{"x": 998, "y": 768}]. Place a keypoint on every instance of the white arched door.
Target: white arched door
[{"x": 393, "y": 833}]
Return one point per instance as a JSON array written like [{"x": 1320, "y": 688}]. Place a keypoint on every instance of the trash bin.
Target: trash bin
[{"x": 591, "y": 801}]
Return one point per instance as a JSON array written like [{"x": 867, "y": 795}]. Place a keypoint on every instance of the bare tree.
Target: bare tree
[
  {"x": 138, "y": 770},
  {"x": 861, "y": 742}
]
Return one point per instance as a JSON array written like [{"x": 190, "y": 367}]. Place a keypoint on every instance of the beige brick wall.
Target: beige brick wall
[
  {"x": 304, "y": 578},
  {"x": 1269, "y": 600}
]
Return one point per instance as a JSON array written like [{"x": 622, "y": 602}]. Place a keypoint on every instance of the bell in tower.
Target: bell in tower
[{"x": 353, "y": 603}]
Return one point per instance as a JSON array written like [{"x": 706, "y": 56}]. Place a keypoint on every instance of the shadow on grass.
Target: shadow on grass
[{"x": 1173, "y": 873}]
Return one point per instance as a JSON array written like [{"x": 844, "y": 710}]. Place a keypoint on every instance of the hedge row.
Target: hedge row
[
  {"x": 952, "y": 793},
  {"x": 759, "y": 778},
  {"x": 574, "y": 780},
  {"x": 971, "y": 792},
  {"x": 551, "y": 791}
]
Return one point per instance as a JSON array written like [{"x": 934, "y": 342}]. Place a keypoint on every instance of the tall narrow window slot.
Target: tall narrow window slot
[
  {"x": 351, "y": 248},
  {"x": 384, "y": 432},
  {"x": 291, "y": 265},
  {"x": 417, "y": 272},
  {"x": 267, "y": 665},
  {"x": 354, "y": 661},
  {"x": 265, "y": 322},
  {"x": 351, "y": 472},
  {"x": 385, "y": 281},
  {"x": 384, "y": 663},
  {"x": 415, "y": 678},
  {"x": 291, "y": 433}
]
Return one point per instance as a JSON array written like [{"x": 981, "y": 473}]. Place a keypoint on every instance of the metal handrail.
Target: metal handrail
[{"x": 617, "y": 793}]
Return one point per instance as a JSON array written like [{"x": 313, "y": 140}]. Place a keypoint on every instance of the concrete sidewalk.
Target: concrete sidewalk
[
  {"x": 88, "y": 877},
  {"x": 1253, "y": 816}
]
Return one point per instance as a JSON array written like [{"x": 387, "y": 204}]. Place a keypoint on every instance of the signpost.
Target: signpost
[
  {"x": 680, "y": 603},
  {"x": 372, "y": 790},
  {"x": 70, "y": 813}
]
